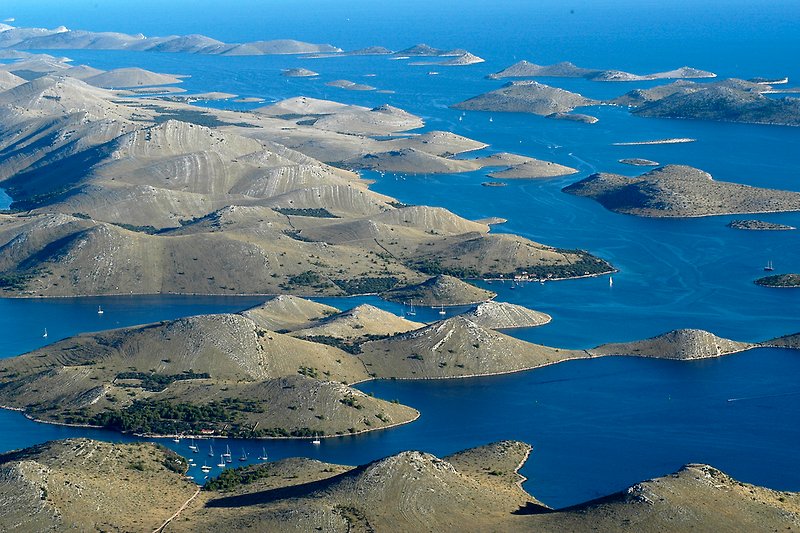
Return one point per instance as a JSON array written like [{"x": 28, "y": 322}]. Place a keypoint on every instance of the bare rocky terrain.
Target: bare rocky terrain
[
  {"x": 731, "y": 100},
  {"x": 231, "y": 375},
  {"x": 526, "y": 69},
  {"x": 758, "y": 225},
  {"x": 134, "y": 195},
  {"x": 440, "y": 290},
  {"x": 680, "y": 191},
  {"x": 526, "y": 97},
  {"x": 503, "y": 315},
  {"x": 63, "y": 38},
  {"x": 85, "y": 485},
  {"x": 456, "y": 347},
  {"x": 682, "y": 344}
]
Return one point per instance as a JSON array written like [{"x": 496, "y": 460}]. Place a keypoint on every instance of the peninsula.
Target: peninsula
[{"x": 282, "y": 369}]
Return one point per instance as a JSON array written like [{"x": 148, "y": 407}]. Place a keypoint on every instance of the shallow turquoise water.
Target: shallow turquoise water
[{"x": 597, "y": 425}]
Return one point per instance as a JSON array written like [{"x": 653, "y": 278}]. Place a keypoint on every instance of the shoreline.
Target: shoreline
[
  {"x": 727, "y": 214},
  {"x": 18, "y": 296},
  {"x": 206, "y": 437},
  {"x": 587, "y": 356}
]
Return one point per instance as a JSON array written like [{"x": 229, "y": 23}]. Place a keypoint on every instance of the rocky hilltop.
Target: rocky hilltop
[
  {"x": 87, "y": 485},
  {"x": 132, "y": 195},
  {"x": 229, "y": 375},
  {"x": 526, "y": 97},
  {"x": 219, "y": 373},
  {"x": 63, "y": 38},
  {"x": 787, "y": 341},
  {"x": 456, "y": 347},
  {"x": 440, "y": 290},
  {"x": 526, "y": 69},
  {"x": 683, "y": 344},
  {"x": 730, "y": 100},
  {"x": 362, "y": 322},
  {"x": 502, "y": 315},
  {"x": 680, "y": 191}
]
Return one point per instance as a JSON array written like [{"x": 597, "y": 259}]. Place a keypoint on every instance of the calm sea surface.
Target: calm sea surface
[{"x": 597, "y": 426}]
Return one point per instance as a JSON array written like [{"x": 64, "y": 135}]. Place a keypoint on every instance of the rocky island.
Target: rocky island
[
  {"x": 565, "y": 69},
  {"x": 758, "y": 225},
  {"x": 638, "y": 162},
  {"x": 527, "y": 97},
  {"x": 731, "y": 100},
  {"x": 680, "y": 191},
  {"x": 780, "y": 281}
]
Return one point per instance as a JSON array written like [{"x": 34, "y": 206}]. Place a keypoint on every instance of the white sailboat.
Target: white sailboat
[
  {"x": 210, "y": 450},
  {"x": 44, "y": 335},
  {"x": 316, "y": 441},
  {"x": 411, "y": 311},
  {"x": 100, "y": 310},
  {"x": 442, "y": 311},
  {"x": 610, "y": 281},
  {"x": 769, "y": 267},
  {"x": 221, "y": 462},
  {"x": 227, "y": 455},
  {"x": 192, "y": 446},
  {"x": 263, "y": 456},
  {"x": 205, "y": 468},
  {"x": 243, "y": 457}
]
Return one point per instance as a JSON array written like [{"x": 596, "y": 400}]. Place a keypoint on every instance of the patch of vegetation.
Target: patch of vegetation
[
  {"x": 174, "y": 462},
  {"x": 308, "y": 371},
  {"x": 586, "y": 265},
  {"x": 296, "y": 235},
  {"x": 193, "y": 117},
  {"x": 351, "y": 401},
  {"x": 366, "y": 285},
  {"x": 160, "y": 417},
  {"x": 433, "y": 267},
  {"x": 150, "y": 381},
  {"x": 305, "y": 212},
  {"x": 230, "y": 478},
  {"x": 355, "y": 518},
  {"x": 15, "y": 281},
  {"x": 349, "y": 346},
  {"x": 281, "y": 432},
  {"x": 136, "y": 465},
  {"x": 309, "y": 278},
  {"x": 150, "y": 230}
]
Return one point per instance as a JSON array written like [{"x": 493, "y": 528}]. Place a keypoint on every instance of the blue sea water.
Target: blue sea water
[{"x": 597, "y": 426}]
